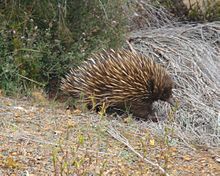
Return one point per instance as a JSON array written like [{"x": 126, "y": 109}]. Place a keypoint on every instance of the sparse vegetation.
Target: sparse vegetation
[{"x": 49, "y": 140}]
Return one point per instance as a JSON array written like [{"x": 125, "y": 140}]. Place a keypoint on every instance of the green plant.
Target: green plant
[{"x": 41, "y": 40}]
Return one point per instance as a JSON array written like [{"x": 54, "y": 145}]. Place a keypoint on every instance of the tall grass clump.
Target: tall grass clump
[{"x": 41, "y": 40}]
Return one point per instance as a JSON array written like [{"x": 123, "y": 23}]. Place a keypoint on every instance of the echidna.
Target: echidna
[{"x": 122, "y": 79}]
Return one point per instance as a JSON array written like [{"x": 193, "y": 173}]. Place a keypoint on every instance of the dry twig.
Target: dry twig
[{"x": 115, "y": 134}]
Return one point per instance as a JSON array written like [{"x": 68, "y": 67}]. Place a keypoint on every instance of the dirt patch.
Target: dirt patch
[{"x": 45, "y": 139}]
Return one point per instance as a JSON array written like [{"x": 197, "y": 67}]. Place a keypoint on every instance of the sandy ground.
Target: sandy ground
[{"x": 41, "y": 138}]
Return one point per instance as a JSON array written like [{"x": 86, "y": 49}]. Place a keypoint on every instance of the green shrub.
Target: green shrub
[{"x": 41, "y": 40}]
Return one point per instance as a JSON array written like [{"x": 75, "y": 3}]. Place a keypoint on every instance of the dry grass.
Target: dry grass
[{"x": 191, "y": 54}]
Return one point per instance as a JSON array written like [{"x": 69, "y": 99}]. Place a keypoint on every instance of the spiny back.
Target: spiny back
[{"x": 119, "y": 76}]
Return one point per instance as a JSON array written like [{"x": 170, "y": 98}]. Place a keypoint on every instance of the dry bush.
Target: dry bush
[{"x": 191, "y": 54}]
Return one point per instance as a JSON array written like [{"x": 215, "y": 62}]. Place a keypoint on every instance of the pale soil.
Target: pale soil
[{"x": 30, "y": 132}]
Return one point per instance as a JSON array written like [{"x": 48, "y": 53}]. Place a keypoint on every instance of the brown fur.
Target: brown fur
[{"x": 121, "y": 79}]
